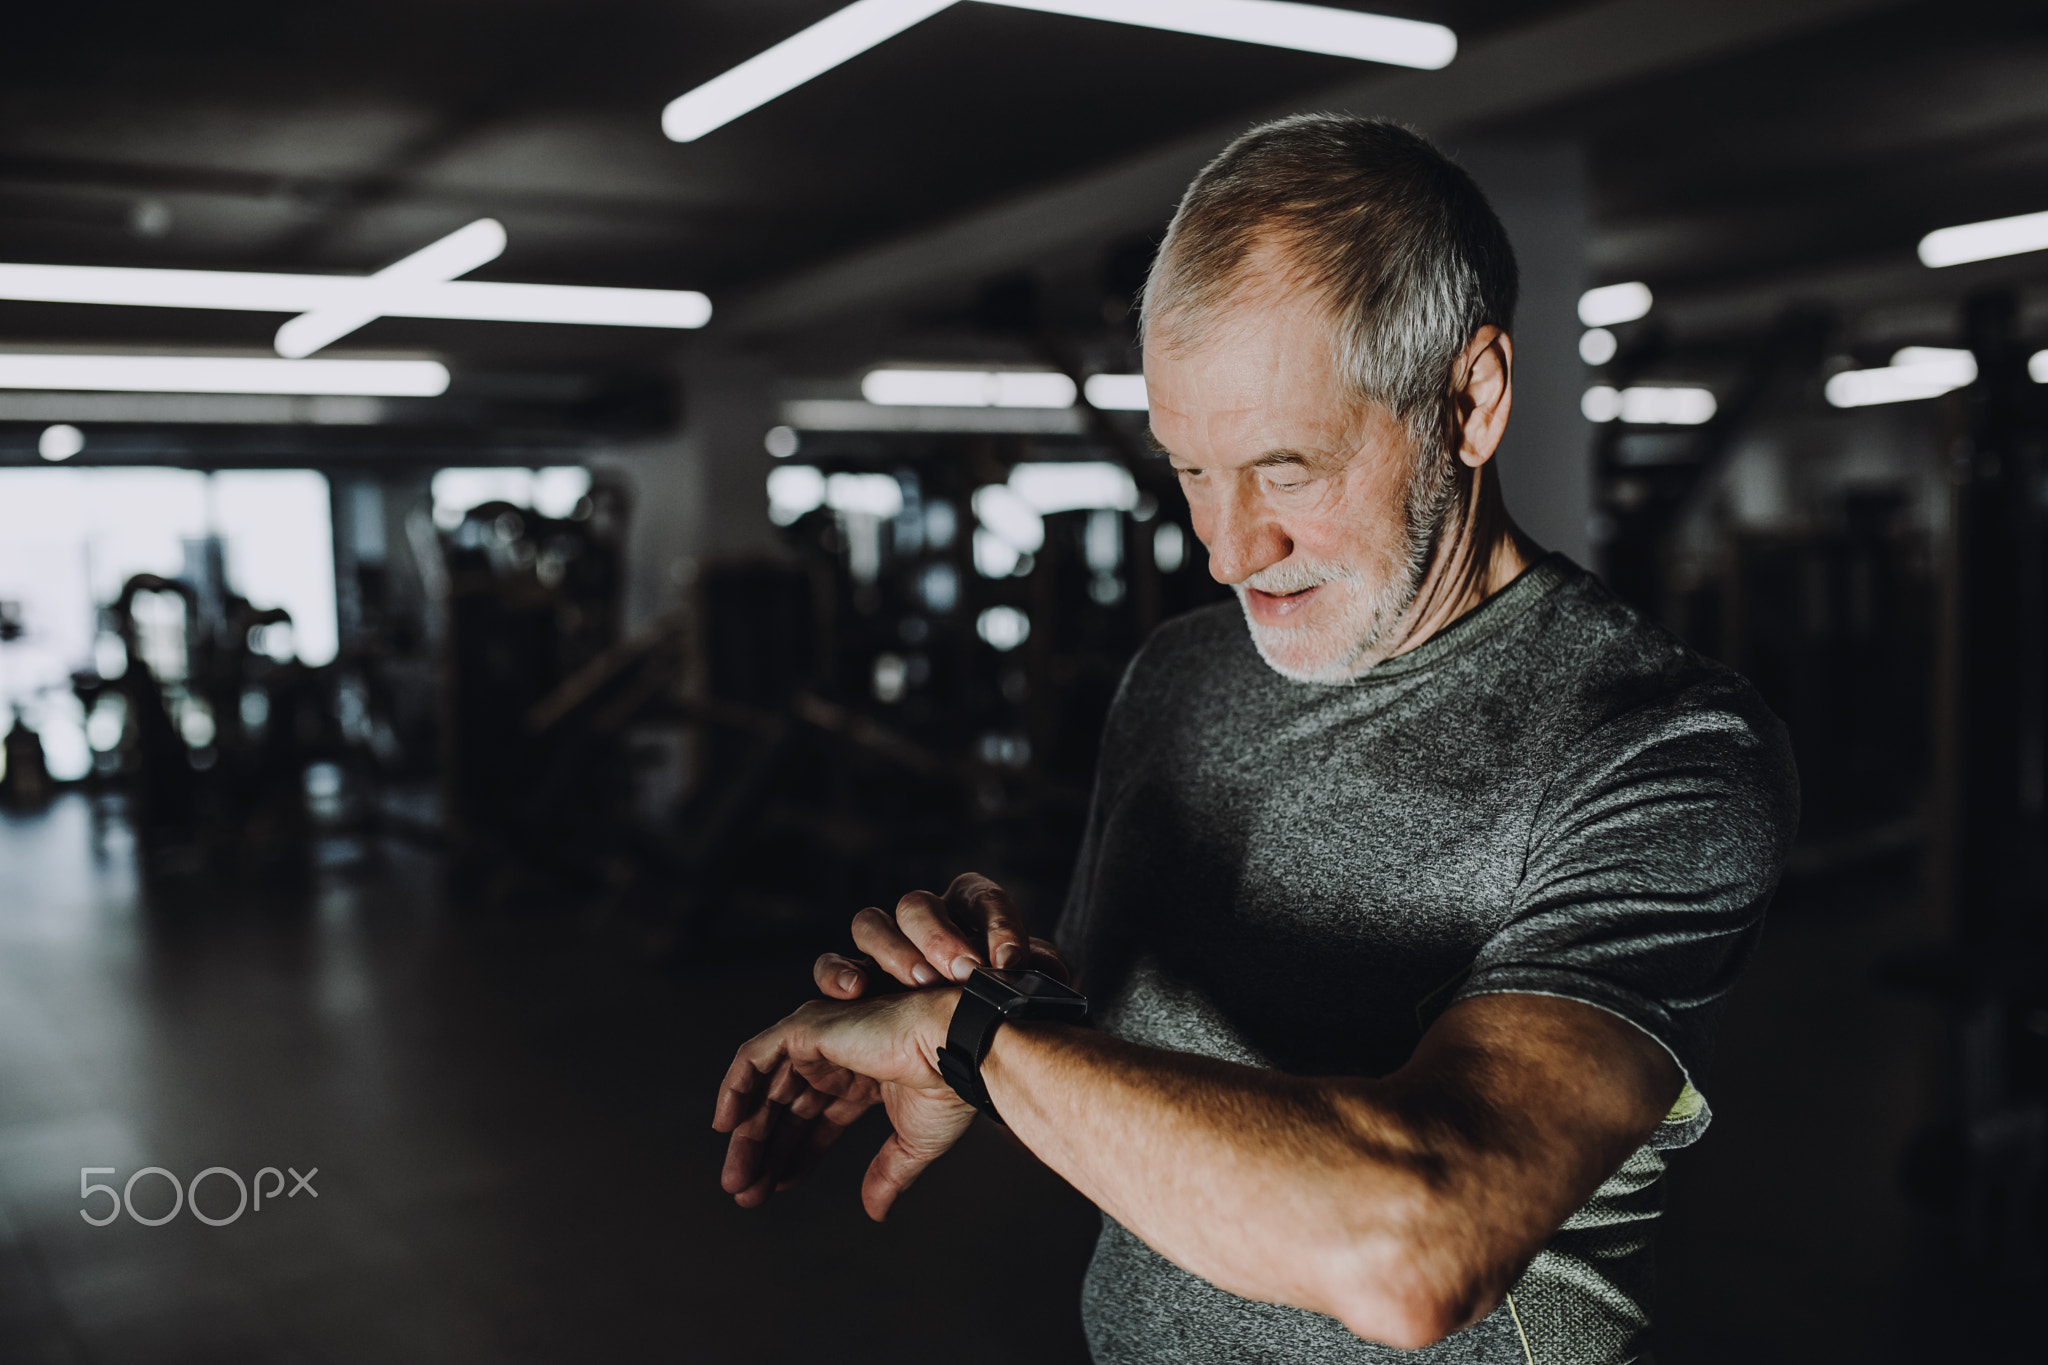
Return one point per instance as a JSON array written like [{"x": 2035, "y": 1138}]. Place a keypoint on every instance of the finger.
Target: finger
[
  {"x": 824, "y": 1088},
  {"x": 772, "y": 1103},
  {"x": 921, "y": 917},
  {"x": 756, "y": 1162},
  {"x": 763, "y": 1152},
  {"x": 787, "y": 1087},
  {"x": 777, "y": 1159},
  {"x": 894, "y": 1170},
  {"x": 842, "y": 978},
  {"x": 844, "y": 1104},
  {"x": 877, "y": 935},
  {"x": 745, "y": 1087},
  {"x": 744, "y": 1159},
  {"x": 933, "y": 1125},
  {"x": 978, "y": 903},
  {"x": 853, "y": 1104},
  {"x": 746, "y": 1154},
  {"x": 1044, "y": 956}
]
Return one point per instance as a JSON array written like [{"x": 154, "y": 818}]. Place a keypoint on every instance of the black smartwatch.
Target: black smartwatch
[{"x": 987, "y": 998}]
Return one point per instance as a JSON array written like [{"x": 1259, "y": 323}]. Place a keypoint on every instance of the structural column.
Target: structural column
[{"x": 699, "y": 493}]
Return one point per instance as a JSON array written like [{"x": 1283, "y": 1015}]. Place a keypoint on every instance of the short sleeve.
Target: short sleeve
[{"x": 1652, "y": 857}]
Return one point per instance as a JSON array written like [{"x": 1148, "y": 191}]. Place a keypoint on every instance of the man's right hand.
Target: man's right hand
[{"x": 928, "y": 939}]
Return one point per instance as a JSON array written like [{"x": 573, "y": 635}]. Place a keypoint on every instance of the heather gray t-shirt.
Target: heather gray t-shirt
[{"x": 1551, "y": 796}]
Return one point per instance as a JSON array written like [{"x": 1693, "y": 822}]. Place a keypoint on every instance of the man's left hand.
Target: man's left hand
[
  {"x": 793, "y": 1089},
  {"x": 927, "y": 939}
]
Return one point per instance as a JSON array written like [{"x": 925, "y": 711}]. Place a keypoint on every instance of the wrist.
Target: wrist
[
  {"x": 935, "y": 1017},
  {"x": 989, "y": 1002}
]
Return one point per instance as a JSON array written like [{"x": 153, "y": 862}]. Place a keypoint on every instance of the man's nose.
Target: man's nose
[{"x": 1242, "y": 537}]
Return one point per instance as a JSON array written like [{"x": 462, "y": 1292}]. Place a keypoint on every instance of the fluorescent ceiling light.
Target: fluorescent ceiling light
[
  {"x": 1070, "y": 486},
  {"x": 1648, "y": 405},
  {"x": 193, "y": 409},
  {"x": 1613, "y": 304},
  {"x": 995, "y": 557},
  {"x": 866, "y": 23},
  {"x": 455, "y": 255},
  {"x": 852, "y": 414},
  {"x": 791, "y": 62},
  {"x": 1117, "y": 392},
  {"x": 1959, "y": 361},
  {"x": 261, "y": 292},
  {"x": 967, "y": 389},
  {"x": 1006, "y": 515},
  {"x": 1916, "y": 372},
  {"x": 796, "y": 489},
  {"x": 793, "y": 490},
  {"x": 215, "y": 374},
  {"x": 871, "y": 495},
  {"x": 1984, "y": 241},
  {"x": 1275, "y": 23}
]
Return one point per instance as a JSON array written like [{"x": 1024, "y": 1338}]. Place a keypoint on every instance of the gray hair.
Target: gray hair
[{"x": 1392, "y": 234}]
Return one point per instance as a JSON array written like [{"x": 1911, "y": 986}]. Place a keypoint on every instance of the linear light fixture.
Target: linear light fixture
[
  {"x": 262, "y": 292},
  {"x": 191, "y": 409},
  {"x": 1649, "y": 405},
  {"x": 1074, "y": 485},
  {"x": 967, "y": 389},
  {"x": 224, "y": 374},
  {"x": 790, "y": 63},
  {"x": 853, "y": 414},
  {"x": 1613, "y": 304},
  {"x": 796, "y": 489},
  {"x": 1916, "y": 372},
  {"x": 864, "y": 24},
  {"x": 1117, "y": 392},
  {"x": 1275, "y": 23},
  {"x": 1985, "y": 241},
  {"x": 455, "y": 255}
]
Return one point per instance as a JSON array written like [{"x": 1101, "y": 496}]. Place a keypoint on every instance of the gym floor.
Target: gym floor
[{"x": 509, "y": 1117}]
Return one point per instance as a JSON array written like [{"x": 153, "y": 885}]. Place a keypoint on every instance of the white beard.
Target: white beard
[{"x": 1348, "y": 640}]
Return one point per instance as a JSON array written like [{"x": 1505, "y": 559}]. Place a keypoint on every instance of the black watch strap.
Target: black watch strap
[{"x": 968, "y": 1038}]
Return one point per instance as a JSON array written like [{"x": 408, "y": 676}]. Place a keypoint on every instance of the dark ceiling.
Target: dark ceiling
[
  {"x": 334, "y": 136},
  {"x": 340, "y": 136},
  {"x": 1845, "y": 144}
]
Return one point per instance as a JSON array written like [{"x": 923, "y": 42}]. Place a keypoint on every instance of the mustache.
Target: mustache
[{"x": 1281, "y": 580}]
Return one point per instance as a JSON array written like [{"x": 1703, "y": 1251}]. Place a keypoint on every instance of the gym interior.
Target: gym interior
[{"x": 517, "y": 521}]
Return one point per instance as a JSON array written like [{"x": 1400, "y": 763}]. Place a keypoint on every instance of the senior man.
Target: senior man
[{"x": 1408, "y": 891}]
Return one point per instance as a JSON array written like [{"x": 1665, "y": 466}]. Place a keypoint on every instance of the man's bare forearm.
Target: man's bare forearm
[
  {"x": 1266, "y": 1185},
  {"x": 1403, "y": 1207}
]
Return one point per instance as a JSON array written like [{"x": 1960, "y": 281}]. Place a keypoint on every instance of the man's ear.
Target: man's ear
[{"x": 1482, "y": 392}]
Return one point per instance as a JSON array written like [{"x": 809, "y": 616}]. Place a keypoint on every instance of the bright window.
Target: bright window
[{"x": 69, "y": 539}]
